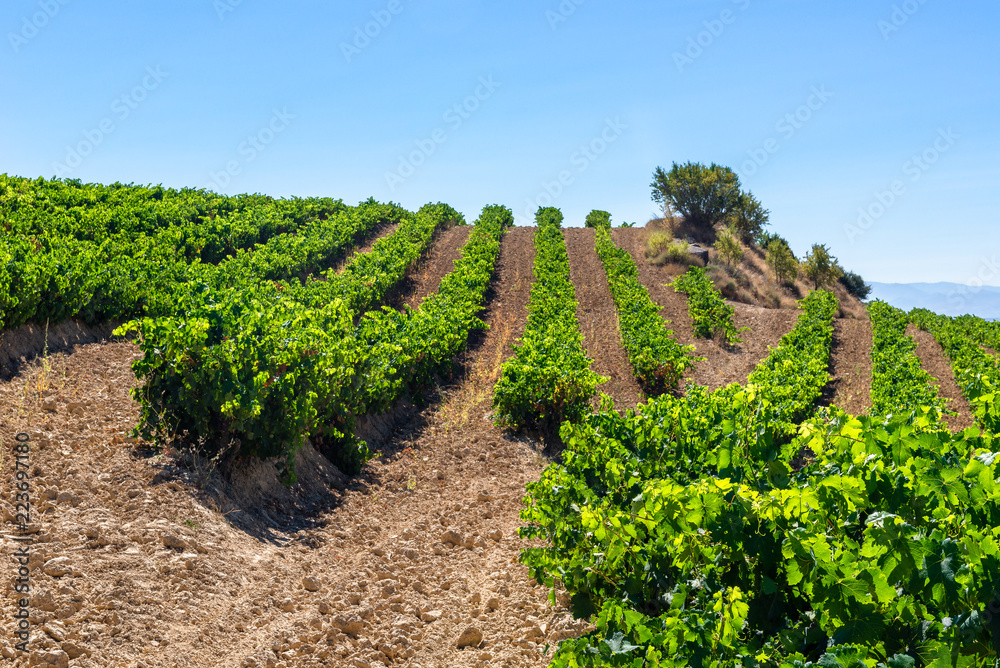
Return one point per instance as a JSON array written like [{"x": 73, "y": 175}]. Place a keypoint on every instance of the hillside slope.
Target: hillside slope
[{"x": 171, "y": 564}]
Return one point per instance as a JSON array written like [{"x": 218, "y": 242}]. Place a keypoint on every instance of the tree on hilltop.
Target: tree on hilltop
[
  {"x": 707, "y": 196},
  {"x": 703, "y": 195},
  {"x": 820, "y": 267}
]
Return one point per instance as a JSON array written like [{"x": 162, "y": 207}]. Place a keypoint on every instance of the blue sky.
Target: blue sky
[{"x": 826, "y": 110}]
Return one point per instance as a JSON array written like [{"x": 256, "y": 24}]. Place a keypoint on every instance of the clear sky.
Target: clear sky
[{"x": 826, "y": 109}]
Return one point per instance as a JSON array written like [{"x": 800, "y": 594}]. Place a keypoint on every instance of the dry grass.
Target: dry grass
[
  {"x": 662, "y": 248},
  {"x": 750, "y": 282},
  {"x": 476, "y": 393}
]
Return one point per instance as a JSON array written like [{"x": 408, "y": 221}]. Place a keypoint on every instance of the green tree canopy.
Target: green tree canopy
[
  {"x": 706, "y": 196},
  {"x": 749, "y": 217},
  {"x": 781, "y": 260},
  {"x": 820, "y": 267},
  {"x": 856, "y": 285},
  {"x": 703, "y": 195}
]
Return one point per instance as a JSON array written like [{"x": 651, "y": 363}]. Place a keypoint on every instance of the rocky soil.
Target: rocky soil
[{"x": 139, "y": 561}]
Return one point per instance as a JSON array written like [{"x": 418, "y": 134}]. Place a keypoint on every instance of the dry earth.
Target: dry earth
[
  {"x": 850, "y": 366},
  {"x": 134, "y": 564},
  {"x": 141, "y": 561},
  {"x": 934, "y": 362},
  {"x": 439, "y": 262},
  {"x": 598, "y": 318}
]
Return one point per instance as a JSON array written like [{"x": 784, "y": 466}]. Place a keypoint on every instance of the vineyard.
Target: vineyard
[{"x": 514, "y": 511}]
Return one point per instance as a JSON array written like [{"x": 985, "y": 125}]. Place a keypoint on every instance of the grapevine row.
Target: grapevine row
[
  {"x": 710, "y": 314},
  {"x": 134, "y": 287},
  {"x": 262, "y": 370},
  {"x": 408, "y": 349},
  {"x": 900, "y": 386},
  {"x": 548, "y": 380},
  {"x": 368, "y": 277},
  {"x": 629, "y": 515},
  {"x": 976, "y": 372},
  {"x": 141, "y": 251},
  {"x": 657, "y": 360}
]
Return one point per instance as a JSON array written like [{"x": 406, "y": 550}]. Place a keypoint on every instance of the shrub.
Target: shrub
[
  {"x": 598, "y": 218},
  {"x": 679, "y": 252},
  {"x": 657, "y": 244},
  {"x": 661, "y": 249},
  {"x": 855, "y": 285}
]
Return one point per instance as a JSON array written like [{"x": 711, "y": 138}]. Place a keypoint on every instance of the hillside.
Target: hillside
[{"x": 157, "y": 559}]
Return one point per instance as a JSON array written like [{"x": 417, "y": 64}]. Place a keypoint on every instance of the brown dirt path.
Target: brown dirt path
[
  {"x": 437, "y": 263},
  {"x": 722, "y": 365},
  {"x": 250, "y": 574},
  {"x": 506, "y": 315},
  {"x": 598, "y": 318},
  {"x": 934, "y": 362},
  {"x": 850, "y": 387}
]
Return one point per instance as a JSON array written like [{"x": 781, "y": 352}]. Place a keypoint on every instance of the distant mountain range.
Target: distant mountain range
[{"x": 945, "y": 298}]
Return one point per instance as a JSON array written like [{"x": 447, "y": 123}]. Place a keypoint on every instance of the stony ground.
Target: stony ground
[
  {"x": 148, "y": 558},
  {"x": 134, "y": 564}
]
